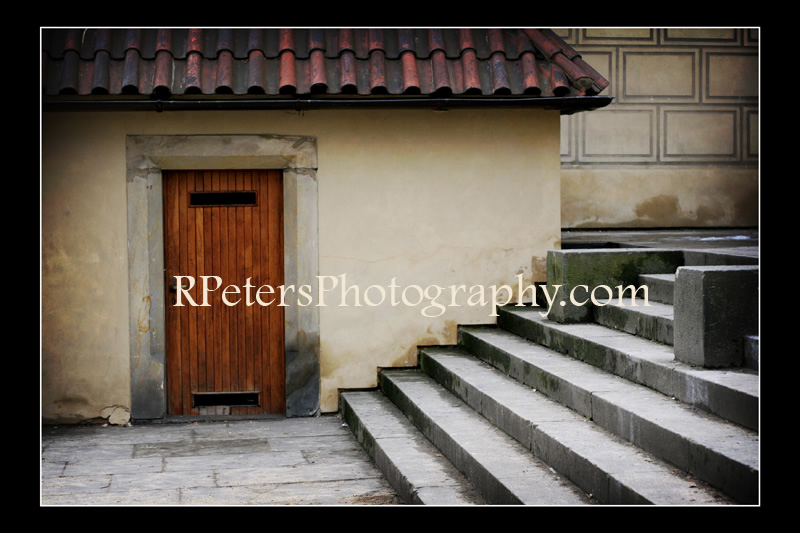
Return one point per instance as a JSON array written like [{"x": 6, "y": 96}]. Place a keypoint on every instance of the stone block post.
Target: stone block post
[{"x": 716, "y": 307}]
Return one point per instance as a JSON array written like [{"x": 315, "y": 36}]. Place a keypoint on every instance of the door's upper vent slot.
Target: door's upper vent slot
[{"x": 221, "y": 198}]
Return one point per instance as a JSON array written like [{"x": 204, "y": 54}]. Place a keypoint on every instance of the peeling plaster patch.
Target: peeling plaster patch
[
  {"x": 117, "y": 415},
  {"x": 663, "y": 206},
  {"x": 326, "y": 369},
  {"x": 450, "y": 331},
  {"x": 665, "y": 209},
  {"x": 144, "y": 315},
  {"x": 410, "y": 357}
]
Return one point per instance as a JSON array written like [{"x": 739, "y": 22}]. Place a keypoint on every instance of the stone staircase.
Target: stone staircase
[{"x": 560, "y": 410}]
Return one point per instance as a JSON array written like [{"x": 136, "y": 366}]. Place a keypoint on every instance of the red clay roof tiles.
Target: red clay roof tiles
[{"x": 272, "y": 62}]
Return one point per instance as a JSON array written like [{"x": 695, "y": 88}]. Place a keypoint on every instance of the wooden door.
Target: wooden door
[{"x": 224, "y": 359}]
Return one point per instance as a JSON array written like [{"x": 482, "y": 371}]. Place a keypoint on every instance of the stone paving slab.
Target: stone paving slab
[
  {"x": 300, "y": 473},
  {"x": 94, "y": 452},
  {"x": 275, "y": 461},
  {"x": 126, "y": 482},
  {"x": 195, "y": 449},
  {"x": 86, "y": 466},
  {"x": 133, "y": 497},
  {"x": 62, "y": 487},
  {"x": 233, "y": 461},
  {"x": 370, "y": 491}
]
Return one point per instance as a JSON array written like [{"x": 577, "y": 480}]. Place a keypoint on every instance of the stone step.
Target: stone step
[
  {"x": 412, "y": 465},
  {"x": 720, "y": 453},
  {"x": 653, "y": 321},
  {"x": 500, "y": 468},
  {"x": 612, "y": 470},
  {"x": 732, "y": 394},
  {"x": 660, "y": 287}
]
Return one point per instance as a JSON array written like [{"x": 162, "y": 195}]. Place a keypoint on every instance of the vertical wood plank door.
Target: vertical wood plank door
[{"x": 224, "y": 359}]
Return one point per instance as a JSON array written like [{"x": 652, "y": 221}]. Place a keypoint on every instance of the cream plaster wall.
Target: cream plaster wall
[
  {"x": 425, "y": 197},
  {"x": 84, "y": 359}
]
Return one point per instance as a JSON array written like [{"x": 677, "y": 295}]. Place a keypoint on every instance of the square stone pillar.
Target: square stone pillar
[{"x": 715, "y": 308}]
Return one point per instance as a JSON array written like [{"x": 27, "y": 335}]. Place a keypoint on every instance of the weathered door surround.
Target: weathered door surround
[{"x": 147, "y": 157}]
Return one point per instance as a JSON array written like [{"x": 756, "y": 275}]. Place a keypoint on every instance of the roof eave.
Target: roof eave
[{"x": 566, "y": 105}]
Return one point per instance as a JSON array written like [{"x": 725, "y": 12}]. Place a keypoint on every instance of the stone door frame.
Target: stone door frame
[{"x": 146, "y": 157}]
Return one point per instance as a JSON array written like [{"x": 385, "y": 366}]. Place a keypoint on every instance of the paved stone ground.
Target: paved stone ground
[{"x": 305, "y": 461}]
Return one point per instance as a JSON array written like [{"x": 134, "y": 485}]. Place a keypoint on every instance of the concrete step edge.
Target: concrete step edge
[
  {"x": 412, "y": 465},
  {"x": 600, "y": 463},
  {"x": 720, "y": 453},
  {"x": 501, "y": 469},
  {"x": 653, "y": 322},
  {"x": 660, "y": 287},
  {"x": 732, "y": 394}
]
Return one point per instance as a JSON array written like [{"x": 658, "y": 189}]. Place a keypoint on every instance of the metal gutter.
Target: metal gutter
[{"x": 567, "y": 105}]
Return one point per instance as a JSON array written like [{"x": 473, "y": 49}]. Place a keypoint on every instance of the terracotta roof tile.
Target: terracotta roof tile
[{"x": 197, "y": 61}]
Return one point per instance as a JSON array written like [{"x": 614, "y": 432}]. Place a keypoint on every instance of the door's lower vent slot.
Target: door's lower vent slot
[{"x": 208, "y": 399}]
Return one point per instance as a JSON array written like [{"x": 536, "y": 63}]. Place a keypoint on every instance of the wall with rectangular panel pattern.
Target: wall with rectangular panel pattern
[{"x": 679, "y": 144}]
